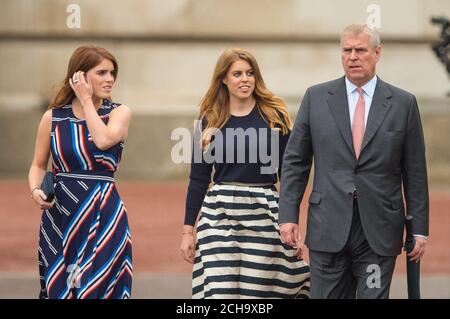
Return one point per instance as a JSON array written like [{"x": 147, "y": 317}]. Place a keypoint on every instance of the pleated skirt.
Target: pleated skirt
[{"x": 239, "y": 253}]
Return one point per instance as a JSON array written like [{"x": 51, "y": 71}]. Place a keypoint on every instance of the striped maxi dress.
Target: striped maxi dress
[
  {"x": 239, "y": 253},
  {"x": 84, "y": 241}
]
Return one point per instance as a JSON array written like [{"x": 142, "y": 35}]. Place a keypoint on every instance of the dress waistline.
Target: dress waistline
[
  {"x": 246, "y": 184},
  {"x": 99, "y": 176}
]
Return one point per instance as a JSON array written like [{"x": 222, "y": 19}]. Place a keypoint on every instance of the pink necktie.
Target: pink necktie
[{"x": 358, "y": 123}]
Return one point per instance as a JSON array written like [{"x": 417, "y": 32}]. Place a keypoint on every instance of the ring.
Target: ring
[{"x": 76, "y": 81}]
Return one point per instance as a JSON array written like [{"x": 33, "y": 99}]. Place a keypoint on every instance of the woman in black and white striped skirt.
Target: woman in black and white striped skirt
[{"x": 242, "y": 133}]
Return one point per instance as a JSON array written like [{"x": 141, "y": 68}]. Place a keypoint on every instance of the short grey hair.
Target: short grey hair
[{"x": 357, "y": 29}]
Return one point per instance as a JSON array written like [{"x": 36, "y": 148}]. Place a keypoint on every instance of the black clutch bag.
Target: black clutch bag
[{"x": 48, "y": 186}]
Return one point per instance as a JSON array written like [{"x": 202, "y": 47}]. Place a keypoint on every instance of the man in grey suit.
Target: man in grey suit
[{"x": 365, "y": 137}]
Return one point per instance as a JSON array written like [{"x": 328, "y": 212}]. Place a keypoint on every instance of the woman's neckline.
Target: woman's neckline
[
  {"x": 84, "y": 119},
  {"x": 245, "y": 115}
]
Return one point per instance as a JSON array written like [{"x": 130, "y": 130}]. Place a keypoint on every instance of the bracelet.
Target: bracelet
[
  {"x": 187, "y": 233},
  {"x": 34, "y": 188}
]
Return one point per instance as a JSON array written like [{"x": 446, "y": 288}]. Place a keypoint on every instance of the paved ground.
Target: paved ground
[
  {"x": 155, "y": 212},
  {"x": 154, "y": 286}
]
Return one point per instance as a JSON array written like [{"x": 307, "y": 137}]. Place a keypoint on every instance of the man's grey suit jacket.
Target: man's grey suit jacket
[{"x": 392, "y": 156}]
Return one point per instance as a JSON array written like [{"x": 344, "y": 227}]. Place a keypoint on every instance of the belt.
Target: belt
[{"x": 99, "y": 176}]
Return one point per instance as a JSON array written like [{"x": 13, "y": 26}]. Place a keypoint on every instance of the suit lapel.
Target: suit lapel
[
  {"x": 378, "y": 110},
  {"x": 338, "y": 104}
]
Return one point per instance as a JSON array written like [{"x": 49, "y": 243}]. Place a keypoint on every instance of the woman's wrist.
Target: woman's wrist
[
  {"x": 188, "y": 230},
  {"x": 86, "y": 101}
]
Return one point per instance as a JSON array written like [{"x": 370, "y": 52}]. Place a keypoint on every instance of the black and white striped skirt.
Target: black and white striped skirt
[{"x": 239, "y": 253}]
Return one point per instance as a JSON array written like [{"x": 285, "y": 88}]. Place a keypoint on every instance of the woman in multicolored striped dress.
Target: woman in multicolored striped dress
[
  {"x": 236, "y": 247},
  {"x": 84, "y": 242}
]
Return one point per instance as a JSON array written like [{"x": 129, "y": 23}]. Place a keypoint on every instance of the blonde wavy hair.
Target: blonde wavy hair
[{"x": 214, "y": 107}]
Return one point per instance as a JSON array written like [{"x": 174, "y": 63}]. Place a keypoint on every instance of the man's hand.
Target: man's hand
[
  {"x": 289, "y": 234},
  {"x": 419, "y": 249}
]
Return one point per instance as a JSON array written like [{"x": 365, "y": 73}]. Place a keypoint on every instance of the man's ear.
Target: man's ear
[{"x": 378, "y": 52}]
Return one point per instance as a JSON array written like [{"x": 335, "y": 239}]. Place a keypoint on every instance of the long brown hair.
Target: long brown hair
[
  {"x": 214, "y": 107},
  {"x": 83, "y": 59}
]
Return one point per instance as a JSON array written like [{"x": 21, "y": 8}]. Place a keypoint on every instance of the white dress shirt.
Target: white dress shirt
[{"x": 353, "y": 96}]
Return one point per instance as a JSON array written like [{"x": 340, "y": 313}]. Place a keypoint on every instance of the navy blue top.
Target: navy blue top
[{"x": 249, "y": 162}]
